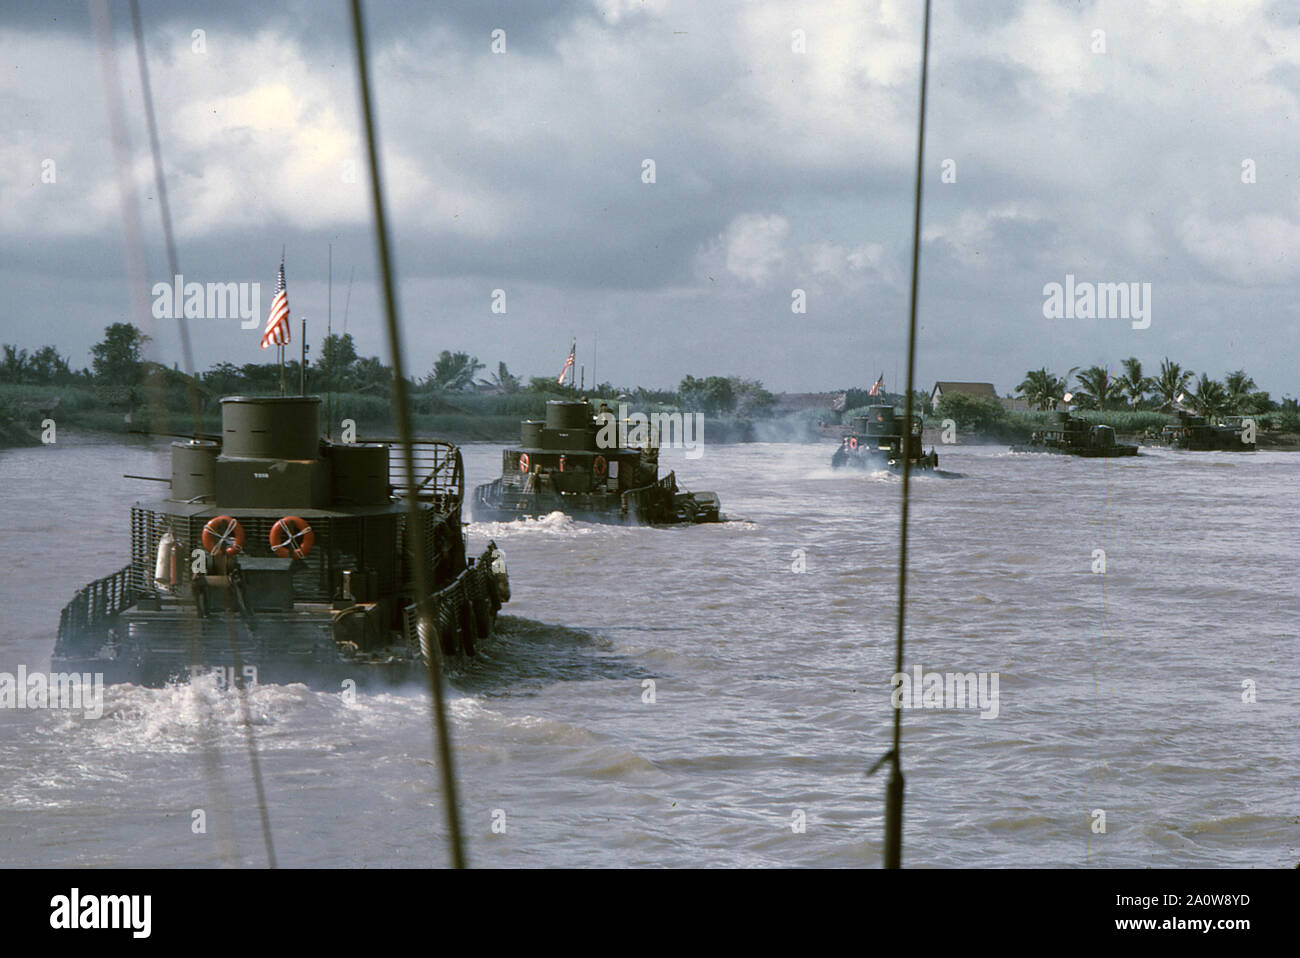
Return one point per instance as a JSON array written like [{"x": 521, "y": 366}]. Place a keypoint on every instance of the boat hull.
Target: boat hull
[
  {"x": 153, "y": 640},
  {"x": 873, "y": 461},
  {"x": 1100, "y": 453},
  {"x": 1226, "y": 444},
  {"x": 153, "y": 649},
  {"x": 659, "y": 504}
]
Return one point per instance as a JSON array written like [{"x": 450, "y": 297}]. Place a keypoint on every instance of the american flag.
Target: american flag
[
  {"x": 568, "y": 364},
  {"x": 878, "y": 387},
  {"x": 277, "y": 323}
]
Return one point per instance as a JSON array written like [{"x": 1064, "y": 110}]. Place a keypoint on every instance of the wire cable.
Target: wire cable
[
  {"x": 894, "y": 789},
  {"x": 173, "y": 263},
  {"x": 414, "y": 519}
]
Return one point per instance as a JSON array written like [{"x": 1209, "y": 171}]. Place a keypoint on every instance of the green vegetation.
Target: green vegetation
[
  {"x": 1171, "y": 383},
  {"x": 124, "y": 392},
  {"x": 1096, "y": 388},
  {"x": 976, "y": 414},
  {"x": 722, "y": 396},
  {"x": 15, "y": 423},
  {"x": 990, "y": 419},
  {"x": 1133, "y": 384},
  {"x": 1041, "y": 389},
  {"x": 1132, "y": 403},
  {"x": 453, "y": 372}
]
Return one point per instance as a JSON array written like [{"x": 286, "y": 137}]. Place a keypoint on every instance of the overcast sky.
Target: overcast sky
[{"x": 775, "y": 170}]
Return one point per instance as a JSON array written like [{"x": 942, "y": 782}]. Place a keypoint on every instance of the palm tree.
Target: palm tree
[
  {"x": 502, "y": 379},
  {"x": 1096, "y": 384},
  {"x": 1172, "y": 381},
  {"x": 1133, "y": 383},
  {"x": 1041, "y": 389},
  {"x": 453, "y": 372},
  {"x": 1210, "y": 398},
  {"x": 1239, "y": 386}
]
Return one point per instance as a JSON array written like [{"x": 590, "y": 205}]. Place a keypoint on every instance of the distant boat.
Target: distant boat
[
  {"x": 877, "y": 441},
  {"x": 1071, "y": 436},
  {"x": 1196, "y": 434},
  {"x": 564, "y": 464}
]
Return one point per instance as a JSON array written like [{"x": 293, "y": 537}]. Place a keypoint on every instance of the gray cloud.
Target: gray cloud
[{"x": 775, "y": 170}]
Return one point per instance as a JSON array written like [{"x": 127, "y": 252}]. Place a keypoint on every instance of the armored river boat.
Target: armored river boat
[
  {"x": 279, "y": 556},
  {"x": 1072, "y": 436},
  {"x": 589, "y": 468},
  {"x": 879, "y": 440},
  {"x": 1198, "y": 434}
]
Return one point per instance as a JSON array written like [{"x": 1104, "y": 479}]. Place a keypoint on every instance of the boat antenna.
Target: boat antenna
[
  {"x": 894, "y": 788},
  {"x": 280, "y": 346},
  {"x": 348, "y": 302},
  {"x": 442, "y": 732}
]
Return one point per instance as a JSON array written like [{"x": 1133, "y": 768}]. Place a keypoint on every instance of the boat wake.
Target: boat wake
[
  {"x": 190, "y": 717},
  {"x": 527, "y": 655},
  {"x": 884, "y": 475},
  {"x": 553, "y": 524}
]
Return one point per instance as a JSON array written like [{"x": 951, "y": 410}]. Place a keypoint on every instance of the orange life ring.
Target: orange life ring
[
  {"x": 292, "y": 536},
  {"x": 523, "y": 462},
  {"x": 853, "y": 442},
  {"x": 598, "y": 465},
  {"x": 223, "y": 534}
]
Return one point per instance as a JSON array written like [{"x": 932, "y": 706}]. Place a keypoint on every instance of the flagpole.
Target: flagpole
[
  {"x": 286, "y": 329},
  {"x": 302, "y": 368}
]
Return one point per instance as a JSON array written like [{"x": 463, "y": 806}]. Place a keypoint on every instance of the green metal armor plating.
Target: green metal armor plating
[{"x": 279, "y": 556}]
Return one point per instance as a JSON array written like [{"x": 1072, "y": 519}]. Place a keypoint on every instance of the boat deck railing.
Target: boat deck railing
[
  {"x": 98, "y": 602},
  {"x": 439, "y": 472}
]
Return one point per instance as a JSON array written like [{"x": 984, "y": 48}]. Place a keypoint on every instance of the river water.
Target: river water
[{"x": 685, "y": 697}]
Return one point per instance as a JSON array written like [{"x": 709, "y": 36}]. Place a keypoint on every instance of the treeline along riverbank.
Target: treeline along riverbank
[{"x": 122, "y": 392}]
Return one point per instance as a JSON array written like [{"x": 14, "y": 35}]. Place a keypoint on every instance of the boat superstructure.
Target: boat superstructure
[
  {"x": 280, "y": 556},
  {"x": 879, "y": 440},
  {"x": 589, "y": 466},
  {"x": 1197, "y": 434},
  {"x": 1072, "y": 436}
]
